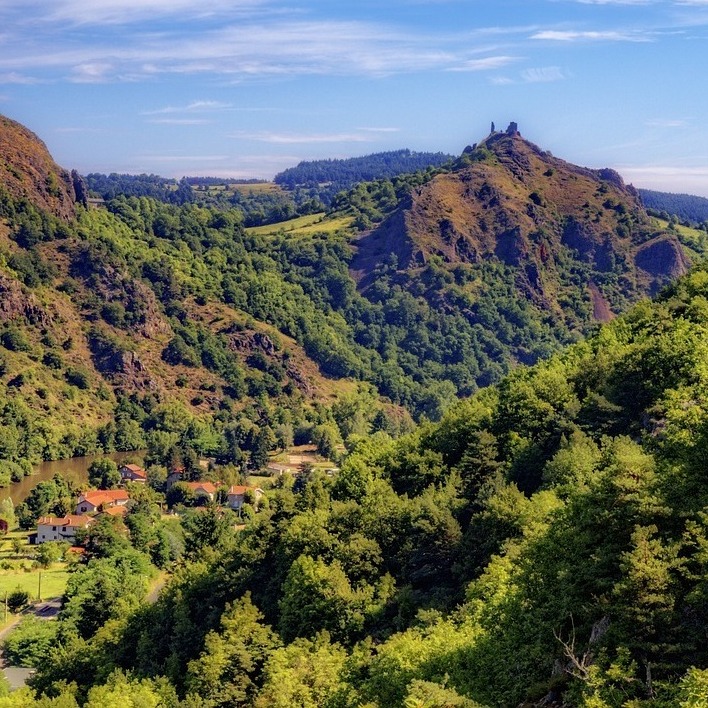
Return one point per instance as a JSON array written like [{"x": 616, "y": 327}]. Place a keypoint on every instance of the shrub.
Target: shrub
[{"x": 17, "y": 599}]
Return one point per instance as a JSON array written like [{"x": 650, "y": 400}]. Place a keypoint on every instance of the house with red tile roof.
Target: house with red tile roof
[
  {"x": 132, "y": 473},
  {"x": 236, "y": 496},
  {"x": 53, "y": 528},
  {"x": 97, "y": 500},
  {"x": 202, "y": 489}
]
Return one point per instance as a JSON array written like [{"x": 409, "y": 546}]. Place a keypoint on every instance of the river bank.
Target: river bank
[{"x": 74, "y": 469}]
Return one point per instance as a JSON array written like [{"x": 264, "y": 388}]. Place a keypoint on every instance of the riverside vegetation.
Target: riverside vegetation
[{"x": 542, "y": 541}]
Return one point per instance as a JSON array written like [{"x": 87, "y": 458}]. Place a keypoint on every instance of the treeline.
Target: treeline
[
  {"x": 165, "y": 189},
  {"x": 686, "y": 207},
  {"x": 544, "y": 543},
  {"x": 328, "y": 177}
]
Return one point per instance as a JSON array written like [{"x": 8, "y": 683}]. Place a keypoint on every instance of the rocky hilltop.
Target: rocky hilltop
[
  {"x": 511, "y": 202},
  {"x": 29, "y": 172}
]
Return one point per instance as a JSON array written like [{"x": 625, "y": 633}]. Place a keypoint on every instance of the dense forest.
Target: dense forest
[
  {"x": 329, "y": 177},
  {"x": 544, "y": 542},
  {"x": 511, "y": 520},
  {"x": 686, "y": 207}
]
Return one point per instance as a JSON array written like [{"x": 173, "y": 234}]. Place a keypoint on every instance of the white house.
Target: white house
[
  {"x": 50, "y": 528},
  {"x": 92, "y": 501}
]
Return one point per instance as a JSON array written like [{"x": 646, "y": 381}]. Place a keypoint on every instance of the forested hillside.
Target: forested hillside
[
  {"x": 329, "y": 177},
  {"x": 111, "y": 316},
  {"x": 686, "y": 207},
  {"x": 544, "y": 542}
]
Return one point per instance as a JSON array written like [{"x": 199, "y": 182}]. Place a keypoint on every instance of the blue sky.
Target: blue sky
[{"x": 245, "y": 88}]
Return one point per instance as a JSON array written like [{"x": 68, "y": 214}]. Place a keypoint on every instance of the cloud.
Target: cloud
[
  {"x": 241, "y": 51},
  {"x": 670, "y": 178},
  {"x": 12, "y": 77},
  {"x": 590, "y": 36},
  {"x": 666, "y": 123},
  {"x": 303, "y": 138},
  {"x": 193, "y": 107},
  {"x": 119, "y": 12},
  {"x": 545, "y": 74},
  {"x": 617, "y": 2},
  {"x": 485, "y": 64},
  {"x": 91, "y": 73},
  {"x": 178, "y": 121},
  {"x": 182, "y": 158}
]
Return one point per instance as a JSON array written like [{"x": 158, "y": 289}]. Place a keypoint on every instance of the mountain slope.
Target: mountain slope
[
  {"x": 511, "y": 202},
  {"x": 29, "y": 172}
]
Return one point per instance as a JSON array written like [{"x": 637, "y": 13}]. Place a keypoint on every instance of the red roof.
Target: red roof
[
  {"x": 240, "y": 490},
  {"x": 104, "y": 496},
  {"x": 207, "y": 487},
  {"x": 116, "y": 511},
  {"x": 135, "y": 470},
  {"x": 69, "y": 520}
]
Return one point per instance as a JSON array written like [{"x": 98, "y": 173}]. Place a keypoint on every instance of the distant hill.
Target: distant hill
[
  {"x": 522, "y": 250},
  {"x": 168, "y": 325},
  {"x": 687, "y": 207},
  {"x": 327, "y": 177}
]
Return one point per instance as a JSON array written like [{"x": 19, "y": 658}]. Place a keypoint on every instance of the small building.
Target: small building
[
  {"x": 202, "y": 489},
  {"x": 97, "y": 500},
  {"x": 236, "y": 496},
  {"x": 52, "y": 528},
  {"x": 276, "y": 468},
  {"x": 132, "y": 473}
]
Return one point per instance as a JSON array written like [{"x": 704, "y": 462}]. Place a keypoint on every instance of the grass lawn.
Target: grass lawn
[
  {"x": 53, "y": 582},
  {"x": 16, "y": 569},
  {"x": 302, "y": 225}
]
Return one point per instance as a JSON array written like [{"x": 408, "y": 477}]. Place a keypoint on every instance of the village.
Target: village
[{"x": 180, "y": 490}]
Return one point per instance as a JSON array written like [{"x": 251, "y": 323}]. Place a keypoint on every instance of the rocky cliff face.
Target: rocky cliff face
[
  {"x": 28, "y": 171},
  {"x": 508, "y": 201}
]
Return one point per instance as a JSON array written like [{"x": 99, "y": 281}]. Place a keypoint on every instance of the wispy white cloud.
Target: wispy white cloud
[
  {"x": 69, "y": 130},
  {"x": 544, "y": 74},
  {"x": 182, "y": 158},
  {"x": 666, "y": 123},
  {"x": 91, "y": 73},
  {"x": 179, "y": 121},
  {"x": 616, "y": 2},
  {"x": 485, "y": 64},
  {"x": 193, "y": 107},
  {"x": 380, "y": 130},
  {"x": 240, "y": 51},
  {"x": 591, "y": 36},
  {"x": 674, "y": 178},
  {"x": 13, "y": 77},
  {"x": 303, "y": 138},
  {"x": 120, "y": 12}
]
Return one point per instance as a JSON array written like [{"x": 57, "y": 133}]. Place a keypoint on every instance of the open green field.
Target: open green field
[
  {"x": 255, "y": 188},
  {"x": 52, "y": 583},
  {"x": 303, "y": 225},
  {"x": 17, "y": 569},
  {"x": 693, "y": 238}
]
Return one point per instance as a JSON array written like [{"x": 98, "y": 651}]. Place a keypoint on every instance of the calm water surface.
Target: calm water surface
[{"x": 74, "y": 470}]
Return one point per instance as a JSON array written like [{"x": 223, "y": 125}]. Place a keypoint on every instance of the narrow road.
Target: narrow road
[{"x": 47, "y": 610}]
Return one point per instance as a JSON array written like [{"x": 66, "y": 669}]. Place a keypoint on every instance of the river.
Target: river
[{"x": 74, "y": 469}]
